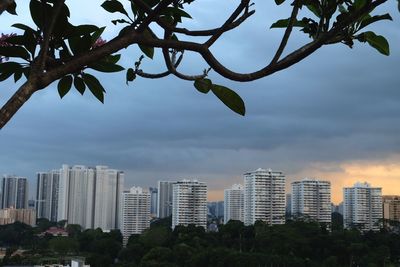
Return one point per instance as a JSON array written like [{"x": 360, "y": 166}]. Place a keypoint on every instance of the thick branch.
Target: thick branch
[
  {"x": 4, "y": 4},
  {"x": 15, "y": 102}
]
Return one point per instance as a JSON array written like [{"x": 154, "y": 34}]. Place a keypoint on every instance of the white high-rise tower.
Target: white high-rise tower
[
  {"x": 234, "y": 202},
  {"x": 135, "y": 212},
  {"x": 362, "y": 207},
  {"x": 311, "y": 199},
  {"x": 189, "y": 204},
  {"x": 264, "y": 197}
]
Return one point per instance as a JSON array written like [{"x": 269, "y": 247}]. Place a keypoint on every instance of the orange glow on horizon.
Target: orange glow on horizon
[{"x": 378, "y": 174}]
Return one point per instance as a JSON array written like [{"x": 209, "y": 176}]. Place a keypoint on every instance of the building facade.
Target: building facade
[
  {"x": 362, "y": 207},
  {"x": 391, "y": 208},
  {"x": 12, "y": 215},
  {"x": 90, "y": 197},
  {"x": 135, "y": 212},
  {"x": 47, "y": 187},
  {"x": 164, "y": 198},
  {"x": 234, "y": 203},
  {"x": 189, "y": 203},
  {"x": 153, "y": 201},
  {"x": 14, "y": 192},
  {"x": 311, "y": 200},
  {"x": 264, "y": 197}
]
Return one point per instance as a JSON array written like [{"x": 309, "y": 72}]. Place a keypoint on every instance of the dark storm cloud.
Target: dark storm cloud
[{"x": 337, "y": 105}]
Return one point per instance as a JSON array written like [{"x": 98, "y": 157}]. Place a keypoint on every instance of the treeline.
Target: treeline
[{"x": 294, "y": 244}]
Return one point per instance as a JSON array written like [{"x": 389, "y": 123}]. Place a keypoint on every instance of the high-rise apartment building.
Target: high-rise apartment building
[
  {"x": 311, "y": 199},
  {"x": 47, "y": 195},
  {"x": 14, "y": 192},
  {"x": 153, "y": 201},
  {"x": 90, "y": 197},
  {"x": 135, "y": 212},
  {"x": 107, "y": 200},
  {"x": 164, "y": 198},
  {"x": 362, "y": 207},
  {"x": 391, "y": 208},
  {"x": 189, "y": 204},
  {"x": 264, "y": 197},
  {"x": 234, "y": 203}
]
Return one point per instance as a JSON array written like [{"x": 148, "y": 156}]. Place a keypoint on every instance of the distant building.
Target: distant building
[
  {"x": 90, "y": 197},
  {"x": 14, "y": 192},
  {"x": 107, "y": 200},
  {"x": 189, "y": 203},
  {"x": 47, "y": 195},
  {"x": 391, "y": 208},
  {"x": 288, "y": 205},
  {"x": 234, "y": 203},
  {"x": 164, "y": 198},
  {"x": 362, "y": 207},
  {"x": 264, "y": 197},
  {"x": 11, "y": 215},
  {"x": 55, "y": 231},
  {"x": 216, "y": 209},
  {"x": 135, "y": 212},
  {"x": 311, "y": 199},
  {"x": 31, "y": 204},
  {"x": 153, "y": 201}
]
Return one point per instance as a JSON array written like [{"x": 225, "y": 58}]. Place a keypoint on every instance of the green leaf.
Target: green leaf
[
  {"x": 17, "y": 75},
  {"x": 283, "y": 23},
  {"x": 94, "y": 86},
  {"x": 314, "y": 9},
  {"x": 22, "y": 27},
  {"x": 358, "y": 4},
  {"x": 130, "y": 75},
  {"x": 203, "y": 85},
  {"x": 79, "y": 84},
  {"x": 14, "y": 51},
  {"x": 64, "y": 85},
  {"x": 369, "y": 20},
  {"x": 113, "y": 6},
  {"x": 105, "y": 66},
  {"x": 96, "y": 35},
  {"x": 376, "y": 41},
  {"x": 230, "y": 98},
  {"x": 12, "y": 8},
  {"x": 147, "y": 50}
]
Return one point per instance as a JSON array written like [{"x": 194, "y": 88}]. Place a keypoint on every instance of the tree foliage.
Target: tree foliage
[{"x": 52, "y": 48}]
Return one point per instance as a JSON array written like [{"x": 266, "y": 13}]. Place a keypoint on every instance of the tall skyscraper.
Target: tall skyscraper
[
  {"x": 391, "y": 208},
  {"x": 362, "y": 207},
  {"x": 47, "y": 195},
  {"x": 107, "y": 200},
  {"x": 164, "y": 198},
  {"x": 189, "y": 204},
  {"x": 153, "y": 201},
  {"x": 234, "y": 203},
  {"x": 264, "y": 197},
  {"x": 90, "y": 197},
  {"x": 14, "y": 192},
  {"x": 311, "y": 199},
  {"x": 135, "y": 212}
]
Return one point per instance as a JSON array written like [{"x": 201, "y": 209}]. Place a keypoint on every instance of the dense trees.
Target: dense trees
[
  {"x": 294, "y": 244},
  {"x": 50, "y": 48}
]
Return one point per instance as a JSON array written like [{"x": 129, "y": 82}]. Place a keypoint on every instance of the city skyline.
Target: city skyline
[
  {"x": 217, "y": 194},
  {"x": 341, "y": 126}
]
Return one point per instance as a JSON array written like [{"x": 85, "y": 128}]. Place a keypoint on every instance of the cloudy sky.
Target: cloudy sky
[{"x": 334, "y": 116}]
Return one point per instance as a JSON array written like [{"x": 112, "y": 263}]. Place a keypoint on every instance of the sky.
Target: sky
[{"x": 334, "y": 116}]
